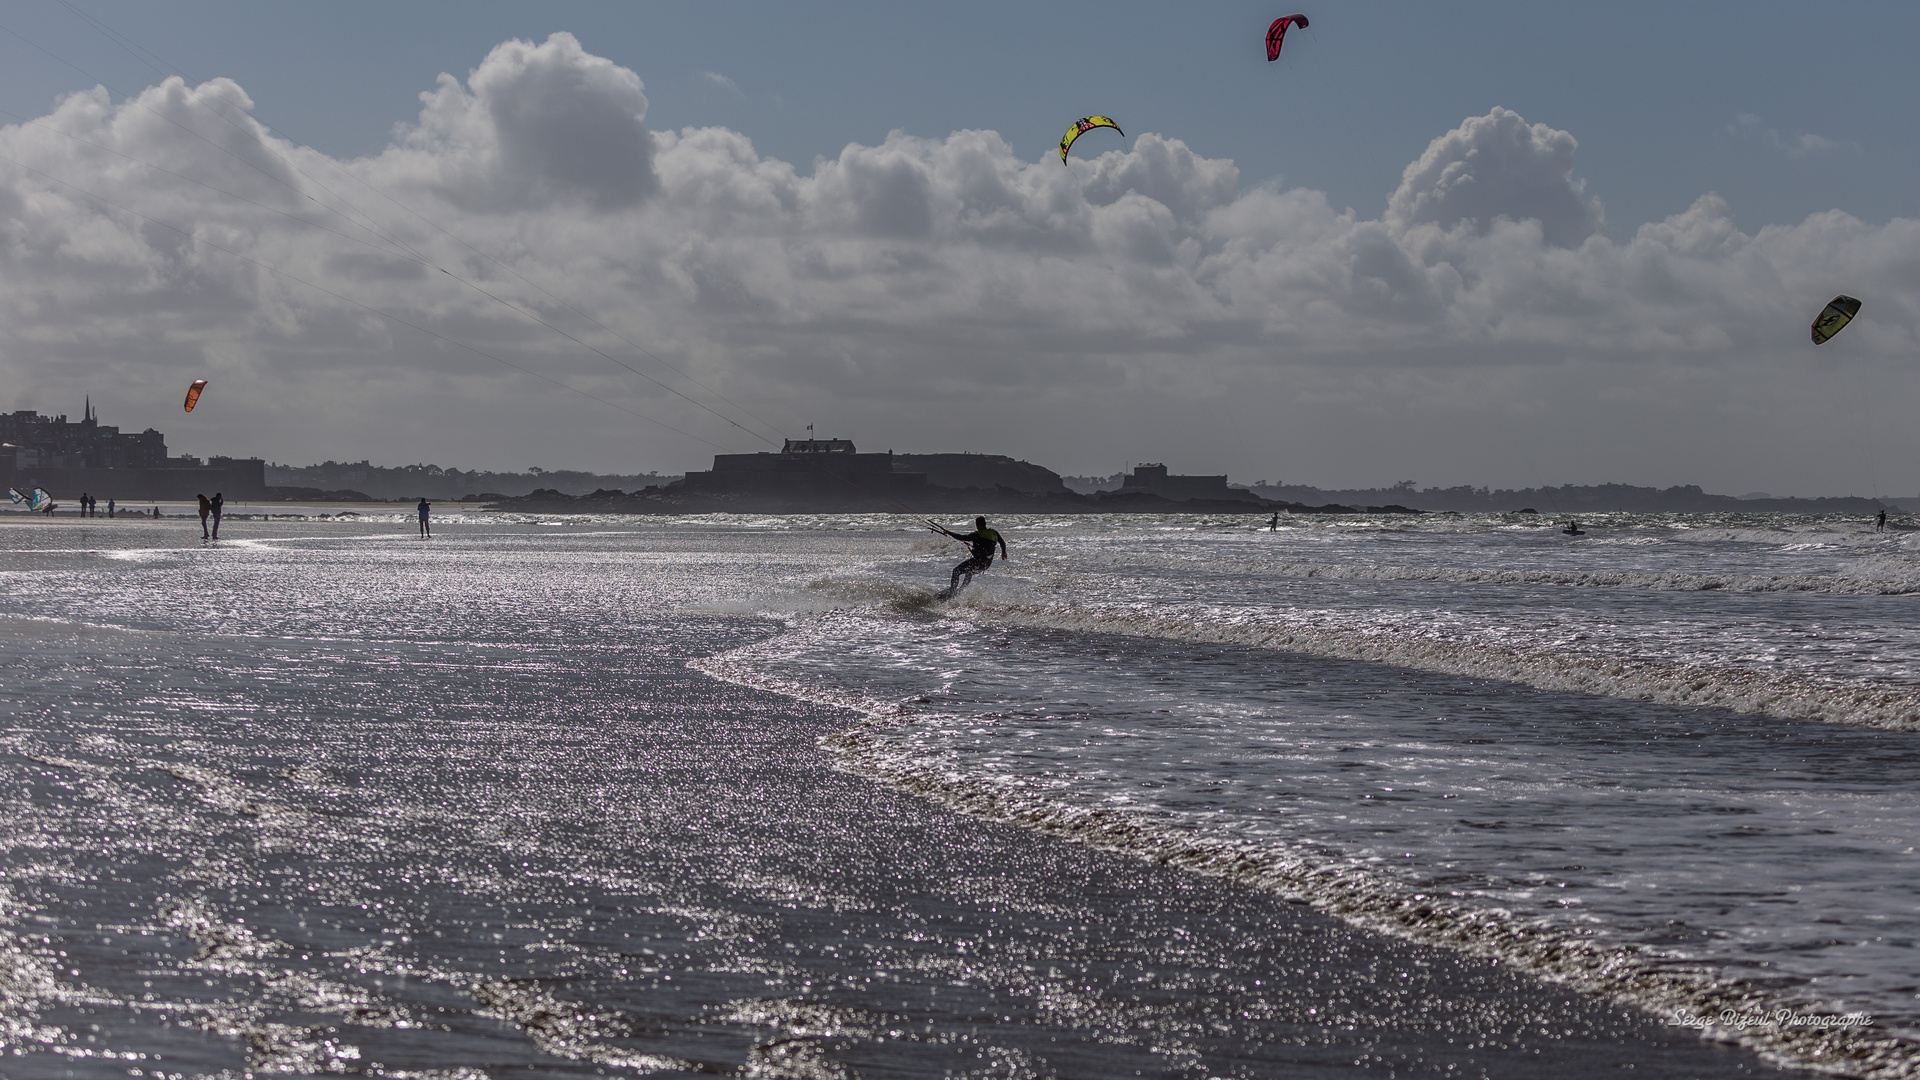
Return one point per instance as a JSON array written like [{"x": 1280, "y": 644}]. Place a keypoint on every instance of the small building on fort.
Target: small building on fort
[
  {"x": 1153, "y": 479},
  {"x": 807, "y": 468},
  {"x": 836, "y": 469}
]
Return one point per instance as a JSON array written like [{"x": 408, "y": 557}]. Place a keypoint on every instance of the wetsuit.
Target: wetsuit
[{"x": 982, "y": 542}]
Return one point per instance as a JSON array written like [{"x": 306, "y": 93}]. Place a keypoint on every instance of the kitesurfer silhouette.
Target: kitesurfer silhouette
[
  {"x": 218, "y": 502},
  {"x": 1882, "y": 523},
  {"x": 426, "y": 527},
  {"x": 205, "y": 509},
  {"x": 982, "y": 541}
]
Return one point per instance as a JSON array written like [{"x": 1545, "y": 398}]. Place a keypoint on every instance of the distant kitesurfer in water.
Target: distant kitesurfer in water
[
  {"x": 1273, "y": 523},
  {"x": 1573, "y": 528},
  {"x": 426, "y": 527},
  {"x": 982, "y": 541},
  {"x": 1882, "y": 523}
]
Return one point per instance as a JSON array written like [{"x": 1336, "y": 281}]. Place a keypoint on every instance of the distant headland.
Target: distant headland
[
  {"x": 832, "y": 476},
  {"x": 804, "y": 476}
]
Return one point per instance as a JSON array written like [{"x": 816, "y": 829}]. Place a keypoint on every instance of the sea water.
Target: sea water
[
  {"x": 1671, "y": 763},
  {"x": 1676, "y": 760}
]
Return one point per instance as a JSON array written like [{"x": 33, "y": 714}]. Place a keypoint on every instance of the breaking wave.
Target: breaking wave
[
  {"x": 1785, "y": 695},
  {"x": 1692, "y": 993}
]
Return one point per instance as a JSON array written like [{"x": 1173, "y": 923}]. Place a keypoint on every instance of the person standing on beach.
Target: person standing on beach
[
  {"x": 217, "y": 503},
  {"x": 109, "y": 506},
  {"x": 205, "y": 509},
  {"x": 426, "y": 527},
  {"x": 982, "y": 541}
]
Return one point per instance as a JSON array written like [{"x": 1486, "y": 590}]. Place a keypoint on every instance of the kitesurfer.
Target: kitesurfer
[
  {"x": 205, "y": 509},
  {"x": 218, "y": 502},
  {"x": 982, "y": 541},
  {"x": 1882, "y": 523},
  {"x": 1573, "y": 528},
  {"x": 1273, "y": 523},
  {"x": 426, "y": 528}
]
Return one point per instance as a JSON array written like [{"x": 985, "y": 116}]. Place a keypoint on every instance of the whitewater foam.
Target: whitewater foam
[{"x": 1693, "y": 993}]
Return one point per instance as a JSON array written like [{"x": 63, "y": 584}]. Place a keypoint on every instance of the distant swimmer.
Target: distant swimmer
[
  {"x": 982, "y": 541},
  {"x": 426, "y": 527},
  {"x": 1573, "y": 528}
]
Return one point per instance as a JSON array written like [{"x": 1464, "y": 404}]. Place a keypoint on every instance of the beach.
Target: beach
[{"x": 555, "y": 796}]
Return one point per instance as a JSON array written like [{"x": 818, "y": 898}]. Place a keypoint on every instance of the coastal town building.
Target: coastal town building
[{"x": 67, "y": 457}]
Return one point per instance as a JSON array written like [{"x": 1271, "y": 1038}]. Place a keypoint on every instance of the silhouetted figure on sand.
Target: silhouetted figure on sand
[
  {"x": 205, "y": 509},
  {"x": 426, "y": 526},
  {"x": 217, "y": 503}
]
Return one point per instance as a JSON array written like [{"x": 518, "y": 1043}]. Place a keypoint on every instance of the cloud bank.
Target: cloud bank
[{"x": 932, "y": 293}]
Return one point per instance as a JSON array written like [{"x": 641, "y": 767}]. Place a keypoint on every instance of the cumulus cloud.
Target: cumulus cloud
[
  {"x": 936, "y": 293},
  {"x": 535, "y": 125},
  {"x": 1498, "y": 167}
]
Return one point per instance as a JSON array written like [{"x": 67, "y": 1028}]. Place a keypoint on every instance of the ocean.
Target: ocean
[{"x": 1158, "y": 796}]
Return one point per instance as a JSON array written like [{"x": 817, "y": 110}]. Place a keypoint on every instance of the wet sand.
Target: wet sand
[{"x": 397, "y": 858}]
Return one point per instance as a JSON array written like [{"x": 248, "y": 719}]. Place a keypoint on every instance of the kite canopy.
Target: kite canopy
[
  {"x": 193, "y": 393},
  {"x": 1833, "y": 317},
  {"x": 1277, "y": 33},
  {"x": 1082, "y": 125},
  {"x": 39, "y": 500}
]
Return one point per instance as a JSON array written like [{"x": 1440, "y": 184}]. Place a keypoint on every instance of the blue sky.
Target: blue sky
[
  {"x": 1655, "y": 92},
  {"x": 1782, "y": 111}
]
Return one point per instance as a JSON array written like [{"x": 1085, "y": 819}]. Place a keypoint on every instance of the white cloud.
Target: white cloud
[
  {"x": 936, "y": 293},
  {"x": 1749, "y": 126},
  {"x": 723, "y": 82},
  {"x": 1497, "y": 167}
]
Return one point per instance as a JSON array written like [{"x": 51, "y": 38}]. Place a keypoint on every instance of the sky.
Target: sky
[{"x": 1487, "y": 243}]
